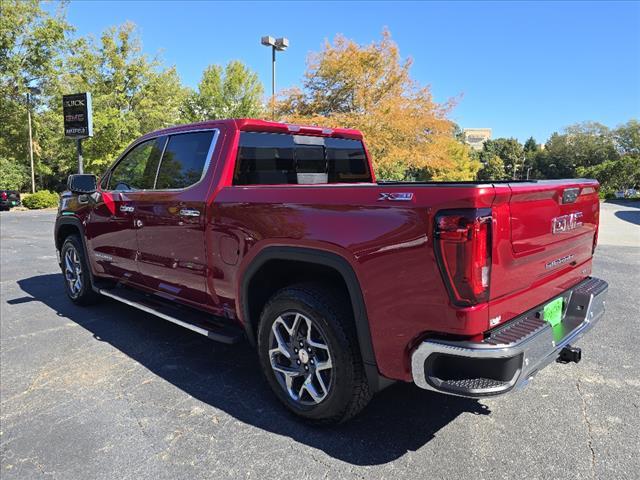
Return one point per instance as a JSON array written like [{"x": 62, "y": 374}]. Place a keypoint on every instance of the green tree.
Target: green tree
[
  {"x": 627, "y": 138},
  {"x": 458, "y": 133},
  {"x": 510, "y": 152},
  {"x": 615, "y": 175},
  {"x": 530, "y": 145},
  {"x": 581, "y": 145},
  {"x": 13, "y": 175},
  {"x": 492, "y": 167},
  {"x": 33, "y": 44},
  {"x": 232, "y": 92},
  {"x": 131, "y": 93},
  {"x": 463, "y": 165},
  {"x": 622, "y": 170}
]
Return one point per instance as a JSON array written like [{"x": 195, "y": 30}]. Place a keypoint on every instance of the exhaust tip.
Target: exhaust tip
[{"x": 570, "y": 354}]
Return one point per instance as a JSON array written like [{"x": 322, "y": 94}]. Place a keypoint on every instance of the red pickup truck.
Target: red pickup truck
[{"x": 280, "y": 234}]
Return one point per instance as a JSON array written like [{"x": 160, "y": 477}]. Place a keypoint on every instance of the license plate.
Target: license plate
[{"x": 553, "y": 311}]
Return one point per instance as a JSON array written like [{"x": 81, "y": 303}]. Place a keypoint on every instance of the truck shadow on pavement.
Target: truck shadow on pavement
[
  {"x": 400, "y": 419},
  {"x": 630, "y": 216}
]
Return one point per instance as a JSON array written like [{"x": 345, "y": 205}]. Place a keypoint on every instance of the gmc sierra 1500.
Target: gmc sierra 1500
[{"x": 280, "y": 234}]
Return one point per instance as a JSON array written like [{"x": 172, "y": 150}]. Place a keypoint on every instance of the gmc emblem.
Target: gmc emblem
[{"x": 566, "y": 223}]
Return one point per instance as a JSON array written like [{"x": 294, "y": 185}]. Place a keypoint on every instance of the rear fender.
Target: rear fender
[{"x": 327, "y": 259}]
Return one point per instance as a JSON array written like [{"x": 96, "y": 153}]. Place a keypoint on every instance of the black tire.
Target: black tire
[
  {"x": 84, "y": 295},
  {"x": 330, "y": 312}
]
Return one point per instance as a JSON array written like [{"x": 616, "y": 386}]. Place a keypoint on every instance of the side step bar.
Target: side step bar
[{"x": 215, "y": 328}]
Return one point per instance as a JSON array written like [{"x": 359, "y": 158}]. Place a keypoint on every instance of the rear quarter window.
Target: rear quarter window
[{"x": 274, "y": 159}]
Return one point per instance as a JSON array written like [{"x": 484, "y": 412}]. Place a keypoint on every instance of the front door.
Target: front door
[
  {"x": 111, "y": 228},
  {"x": 172, "y": 219}
]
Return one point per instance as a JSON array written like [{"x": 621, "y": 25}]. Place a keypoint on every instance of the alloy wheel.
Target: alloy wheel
[
  {"x": 300, "y": 358},
  {"x": 73, "y": 271}
]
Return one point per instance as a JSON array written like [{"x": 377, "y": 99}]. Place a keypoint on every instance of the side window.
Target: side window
[
  {"x": 274, "y": 158},
  {"x": 347, "y": 161},
  {"x": 184, "y": 160},
  {"x": 137, "y": 170}
]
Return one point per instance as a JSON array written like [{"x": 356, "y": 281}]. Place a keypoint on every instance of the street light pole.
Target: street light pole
[
  {"x": 80, "y": 159},
  {"x": 273, "y": 75},
  {"x": 30, "y": 92},
  {"x": 280, "y": 45},
  {"x": 33, "y": 174}
]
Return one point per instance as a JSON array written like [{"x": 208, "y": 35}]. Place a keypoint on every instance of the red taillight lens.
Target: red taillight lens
[
  {"x": 463, "y": 251},
  {"x": 4, "y": 195}
]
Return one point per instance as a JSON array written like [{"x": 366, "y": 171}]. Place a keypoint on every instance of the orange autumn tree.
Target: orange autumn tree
[{"x": 369, "y": 88}]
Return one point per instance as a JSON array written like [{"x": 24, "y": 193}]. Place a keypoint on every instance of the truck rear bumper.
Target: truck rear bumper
[{"x": 513, "y": 353}]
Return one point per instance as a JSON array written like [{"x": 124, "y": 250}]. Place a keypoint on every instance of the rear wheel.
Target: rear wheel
[
  {"x": 75, "y": 270},
  {"x": 309, "y": 353}
]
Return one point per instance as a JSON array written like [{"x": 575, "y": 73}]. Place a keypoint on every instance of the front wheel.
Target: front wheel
[
  {"x": 309, "y": 354},
  {"x": 77, "y": 279}
]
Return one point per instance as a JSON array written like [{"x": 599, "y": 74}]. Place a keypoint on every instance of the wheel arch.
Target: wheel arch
[
  {"x": 70, "y": 225},
  {"x": 251, "y": 305},
  {"x": 66, "y": 226}
]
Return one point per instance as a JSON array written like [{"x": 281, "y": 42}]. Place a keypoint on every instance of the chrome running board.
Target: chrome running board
[{"x": 215, "y": 328}]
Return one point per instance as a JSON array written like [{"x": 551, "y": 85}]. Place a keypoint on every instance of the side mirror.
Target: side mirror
[{"x": 82, "y": 183}]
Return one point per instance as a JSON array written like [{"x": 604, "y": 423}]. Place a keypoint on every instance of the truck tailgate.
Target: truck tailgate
[
  {"x": 551, "y": 213},
  {"x": 546, "y": 235}
]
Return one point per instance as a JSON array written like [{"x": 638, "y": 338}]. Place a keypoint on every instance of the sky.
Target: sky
[{"x": 521, "y": 68}]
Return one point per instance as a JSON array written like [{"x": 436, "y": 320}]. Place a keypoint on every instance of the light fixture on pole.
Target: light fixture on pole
[{"x": 280, "y": 45}]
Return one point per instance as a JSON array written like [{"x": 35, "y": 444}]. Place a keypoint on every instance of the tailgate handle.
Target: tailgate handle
[{"x": 569, "y": 195}]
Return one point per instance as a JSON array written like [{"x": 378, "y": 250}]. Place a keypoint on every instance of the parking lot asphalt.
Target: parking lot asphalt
[{"x": 111, "y": 392}]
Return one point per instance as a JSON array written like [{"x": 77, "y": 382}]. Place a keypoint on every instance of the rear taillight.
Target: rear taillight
[{"x": 463, "y": 251}]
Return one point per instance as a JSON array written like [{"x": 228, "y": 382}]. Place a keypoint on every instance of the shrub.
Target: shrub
[
  {"x": 41, "y": 199},
  {"x": 13, "y": 175}
]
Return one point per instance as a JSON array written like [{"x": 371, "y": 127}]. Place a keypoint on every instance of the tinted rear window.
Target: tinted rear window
[
  {"x": 183, "y": 160},
  {"x": 272, "y": 159}
]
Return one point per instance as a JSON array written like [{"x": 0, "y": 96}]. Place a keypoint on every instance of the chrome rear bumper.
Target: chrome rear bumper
[{"x": 513, "y": 353}]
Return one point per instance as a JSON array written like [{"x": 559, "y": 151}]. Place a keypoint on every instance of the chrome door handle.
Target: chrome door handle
[
  {"x": 126, "y": 209},
  {"x": 186, "y": 212}
]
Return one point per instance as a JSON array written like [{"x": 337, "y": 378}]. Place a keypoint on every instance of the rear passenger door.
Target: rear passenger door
[{"x": 171, "y": 220}]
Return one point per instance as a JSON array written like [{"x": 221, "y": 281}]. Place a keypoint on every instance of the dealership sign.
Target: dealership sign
[{"x": 78, "y": 119}]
